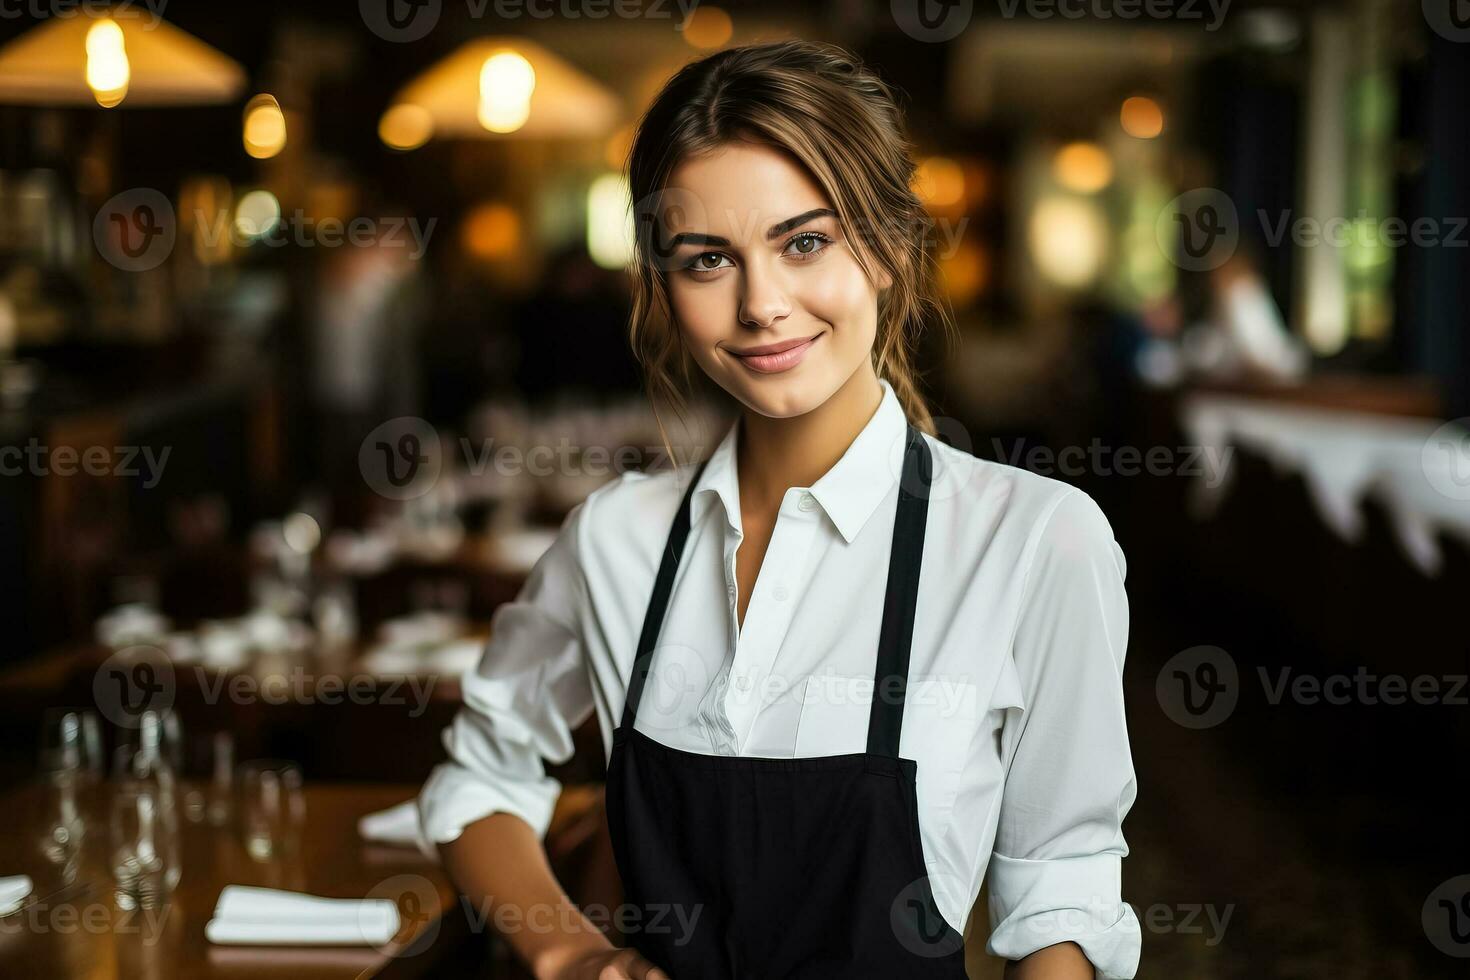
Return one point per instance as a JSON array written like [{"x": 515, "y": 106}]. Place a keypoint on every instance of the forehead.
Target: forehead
[{"x": 737, "y": 190}]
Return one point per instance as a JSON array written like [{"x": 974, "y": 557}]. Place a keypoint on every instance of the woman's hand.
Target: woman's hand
[{"x": 611, "y": 964}]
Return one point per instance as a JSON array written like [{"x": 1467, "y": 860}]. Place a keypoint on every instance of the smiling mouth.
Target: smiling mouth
[{"x": 775, "y": 358}]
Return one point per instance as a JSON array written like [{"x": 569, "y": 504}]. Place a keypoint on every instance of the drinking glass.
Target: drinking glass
[
  {"x": 272, "y": 808},
  {"x": 158, "y": 737},
  {"x": 145, "y": 845},
  {"x": 212, "y": 767},
  {"x": 71, "y": 767},
  {"x": 71, "y": 741}
]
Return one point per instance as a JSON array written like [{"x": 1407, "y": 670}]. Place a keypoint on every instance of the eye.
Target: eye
[
  {"x": 699, "y": 262},
  {"x": 808, "y": 244}
]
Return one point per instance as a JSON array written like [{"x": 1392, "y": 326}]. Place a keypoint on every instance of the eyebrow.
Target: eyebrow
[{"x": 775, "y": 231}]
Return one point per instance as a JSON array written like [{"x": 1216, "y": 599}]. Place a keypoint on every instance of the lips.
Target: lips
[{"x": 775, "y": 358}]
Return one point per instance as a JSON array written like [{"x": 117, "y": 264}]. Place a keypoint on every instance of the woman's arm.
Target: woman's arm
[
  {"x": 487, "y": 809},
  {"x": 1056, "y": 871},
  {"x": 1064, "y": 961},
  {"x": 499, "y": 864}
]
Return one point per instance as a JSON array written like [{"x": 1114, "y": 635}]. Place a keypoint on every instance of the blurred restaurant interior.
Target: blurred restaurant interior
[{"x": 1207, "y": 261}]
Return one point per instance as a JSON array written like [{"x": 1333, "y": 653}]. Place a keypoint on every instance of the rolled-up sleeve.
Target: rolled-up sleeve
[
  {"x": 1056, "y": 872},
  {"x": 522, "y": 702}
]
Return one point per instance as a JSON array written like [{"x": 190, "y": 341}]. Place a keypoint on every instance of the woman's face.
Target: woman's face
[{"x": 766, "y": 292}]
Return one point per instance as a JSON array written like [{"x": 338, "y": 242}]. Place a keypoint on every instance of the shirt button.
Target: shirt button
[
  {"x": 780, "y": 593},
  {"x": 807, "y": 502},
  {"x": 742, "y": 683}
]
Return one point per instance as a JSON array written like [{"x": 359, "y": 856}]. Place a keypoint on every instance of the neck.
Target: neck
[{"x": 773, "y": 455}]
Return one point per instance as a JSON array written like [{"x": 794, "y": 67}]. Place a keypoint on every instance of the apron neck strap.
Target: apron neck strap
[
  {"x": 663, "y": 586},
  {"x": 890, "y": 678}
]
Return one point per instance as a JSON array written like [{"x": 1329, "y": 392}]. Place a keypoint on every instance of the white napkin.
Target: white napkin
[
  {"x": 267, "y": 916},
  {"x": 395, "y": 825},
  {"x": 13, "y": 891}
]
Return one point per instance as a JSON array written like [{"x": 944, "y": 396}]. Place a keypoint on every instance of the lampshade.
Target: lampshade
[
  {"x": 484, "y": 90},
  {"x": 164, "y": 65}
]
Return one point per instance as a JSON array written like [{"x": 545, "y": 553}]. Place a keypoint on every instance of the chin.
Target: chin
[{"x": 782, "y": 396}]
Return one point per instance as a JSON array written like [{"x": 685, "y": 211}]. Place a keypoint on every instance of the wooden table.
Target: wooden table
[{"x": 77, "y": 931}]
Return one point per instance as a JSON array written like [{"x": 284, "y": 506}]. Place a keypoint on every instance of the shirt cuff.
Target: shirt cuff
[
  {"x": 1035, "y": 904},
  {"x": 453, "y": 798}
]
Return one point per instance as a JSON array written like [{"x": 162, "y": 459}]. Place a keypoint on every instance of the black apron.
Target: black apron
[{"x": 762, "y": 868}]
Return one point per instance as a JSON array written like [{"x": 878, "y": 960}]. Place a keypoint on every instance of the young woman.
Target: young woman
[{"x": 842, "y": 668}]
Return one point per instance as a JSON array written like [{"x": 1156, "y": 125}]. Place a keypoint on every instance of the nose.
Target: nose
[{"x": 763, "y": 301}]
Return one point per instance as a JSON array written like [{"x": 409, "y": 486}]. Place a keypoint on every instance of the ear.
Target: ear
[{"x": 884, "y": 279}]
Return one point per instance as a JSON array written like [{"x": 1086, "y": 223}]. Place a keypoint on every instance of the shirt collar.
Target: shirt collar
[{"x": 849, "y": 492}]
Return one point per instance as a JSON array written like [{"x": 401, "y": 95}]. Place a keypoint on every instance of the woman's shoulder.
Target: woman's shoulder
[
  {"x": 1008, "y": 503},
  {"x": 633, "y": 510}
]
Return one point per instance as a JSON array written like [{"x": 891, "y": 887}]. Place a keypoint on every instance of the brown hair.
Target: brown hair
[{"x": 842, "y": 122}]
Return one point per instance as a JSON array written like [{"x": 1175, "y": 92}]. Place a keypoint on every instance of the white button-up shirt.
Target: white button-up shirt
[{"x": 1014, "y": 710}]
